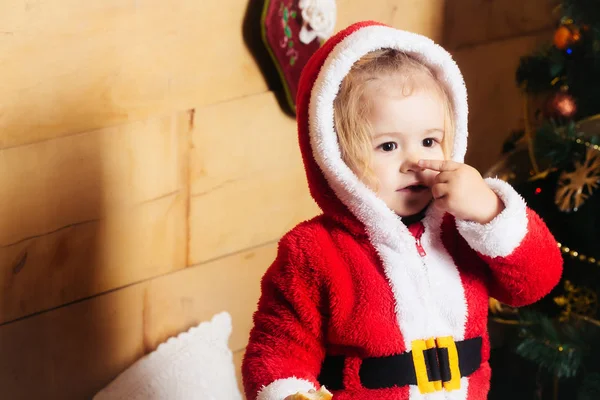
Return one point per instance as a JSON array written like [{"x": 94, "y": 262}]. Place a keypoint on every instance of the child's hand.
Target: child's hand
[
  {"x": 301, "y": 395},
  {"x": 321, "y": 394},
  {"x": 460, "y": 190}
]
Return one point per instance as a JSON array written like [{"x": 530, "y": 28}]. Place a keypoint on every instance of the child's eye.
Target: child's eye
[
  {"x": 388, "y": 146},
  {"x": 429, "y": 142}
]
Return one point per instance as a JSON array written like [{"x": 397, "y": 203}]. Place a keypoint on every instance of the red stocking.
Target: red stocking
[{"x": 292, "y": 31}]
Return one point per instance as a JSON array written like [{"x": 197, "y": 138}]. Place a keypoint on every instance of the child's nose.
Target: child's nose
[{"x": 410, "y": 164}]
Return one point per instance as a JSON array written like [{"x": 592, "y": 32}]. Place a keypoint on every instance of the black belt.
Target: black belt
[{"x": 403, "y": 369}]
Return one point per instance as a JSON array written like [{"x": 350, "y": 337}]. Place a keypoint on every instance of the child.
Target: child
[{"x": 385, "y": 295}]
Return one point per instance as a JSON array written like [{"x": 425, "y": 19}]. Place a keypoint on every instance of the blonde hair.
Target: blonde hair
[{"x": 351, "y": 107}]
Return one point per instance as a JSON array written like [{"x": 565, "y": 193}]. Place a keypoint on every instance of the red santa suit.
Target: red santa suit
[{"x": 359, "y": 302}]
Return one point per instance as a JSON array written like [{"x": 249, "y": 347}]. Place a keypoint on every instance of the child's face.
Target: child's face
[{"x": 405, "y": 129}]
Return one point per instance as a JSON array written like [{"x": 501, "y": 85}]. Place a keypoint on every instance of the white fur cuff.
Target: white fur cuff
[
  {"x": 502, "y": 235},
  {"x": 281, "y": 388}
]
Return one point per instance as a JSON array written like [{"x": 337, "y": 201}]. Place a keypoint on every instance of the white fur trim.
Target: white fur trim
[
  {"x": 318, "y": 17},
  {"x": 501, "y": 236},
  {"x": 460, "y": 394},
  {"x": 281, "y": 388},
  {"x": 448, "y": 312}
]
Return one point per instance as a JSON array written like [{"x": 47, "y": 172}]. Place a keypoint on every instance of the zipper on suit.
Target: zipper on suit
[
  {"x": 418, "y": 232},
  {"x": 420, "y": 248}
]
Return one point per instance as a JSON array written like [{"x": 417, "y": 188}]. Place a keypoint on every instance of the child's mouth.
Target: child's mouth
[{"x": 414, "y": 189}]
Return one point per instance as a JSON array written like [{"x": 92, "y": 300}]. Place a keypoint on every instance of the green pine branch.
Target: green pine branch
[
  {"x": 544, "y": 344},
  {"x": 558, "y": 144}
]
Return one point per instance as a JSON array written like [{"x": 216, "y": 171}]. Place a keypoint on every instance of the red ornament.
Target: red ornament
[
  {"x": 566, "y": 35},
  {"x": 560, "y": 105},
  {"x": 562, "y": 37}
]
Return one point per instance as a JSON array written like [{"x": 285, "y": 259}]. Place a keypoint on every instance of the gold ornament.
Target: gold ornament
[
  {"x": 578, "y": 301},
  {"x": 566, "y": 21},
  {"x": 569, "y": 194}
]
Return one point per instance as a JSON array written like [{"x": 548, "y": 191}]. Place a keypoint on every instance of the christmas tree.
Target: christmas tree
[{"x": 554, "y": 163}]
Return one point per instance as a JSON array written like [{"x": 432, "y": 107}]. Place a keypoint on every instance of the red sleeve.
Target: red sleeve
[
  {"x": 523, "y": 256},
  {"x": 530, "y": 271},
  {"x": 285, "y": 350}
]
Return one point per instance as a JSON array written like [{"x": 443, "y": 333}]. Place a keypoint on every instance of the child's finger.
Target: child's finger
[
  {"x": 439, "y": 165},
  {"x": 443, "y": 177},
  {"x": 439, "y": 190},
  {"x": 441, "y": 203}
]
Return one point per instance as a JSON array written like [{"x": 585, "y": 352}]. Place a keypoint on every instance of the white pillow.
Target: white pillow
[{"x": 197, "y": 364}]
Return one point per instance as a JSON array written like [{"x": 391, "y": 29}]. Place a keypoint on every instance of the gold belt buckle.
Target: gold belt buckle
[{"x": 419, "y": 347}]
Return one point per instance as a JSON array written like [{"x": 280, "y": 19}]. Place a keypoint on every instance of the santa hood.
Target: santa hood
[{"x": 335, "y": 188}]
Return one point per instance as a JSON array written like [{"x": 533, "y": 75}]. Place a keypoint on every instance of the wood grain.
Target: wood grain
[
  {"x": 54, "y": 184},
  {"x": 422, "y": 16},
  {"x": 72, "y": 352},
  {"x": 72, "y": 66},
  {"x": 247, "y": 178},
  {"x": 473, "y": 22},
  {"x": 93, "y": 257}
]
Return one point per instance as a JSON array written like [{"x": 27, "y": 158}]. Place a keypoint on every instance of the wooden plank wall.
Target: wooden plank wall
[
  {"x": 487, "y": 38},
  {"x": 148, "y": 172}
]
